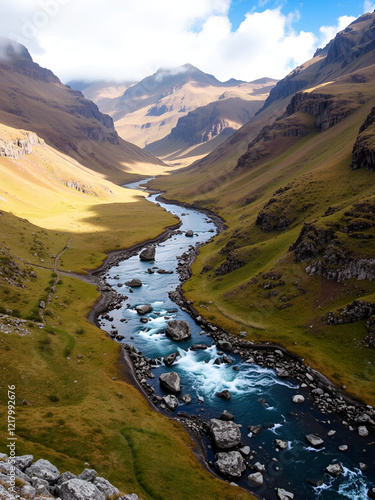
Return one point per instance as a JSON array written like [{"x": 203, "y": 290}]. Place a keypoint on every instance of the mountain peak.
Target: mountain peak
[{"x": 11, "y": 51}]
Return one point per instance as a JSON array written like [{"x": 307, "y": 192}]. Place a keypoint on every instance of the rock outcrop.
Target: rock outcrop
[
  {"x": 364, "y": 147},
  {"x": 16, "y": 148}
]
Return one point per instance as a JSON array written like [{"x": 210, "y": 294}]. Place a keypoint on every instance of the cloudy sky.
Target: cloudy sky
[{"x": 130, "y": 39}]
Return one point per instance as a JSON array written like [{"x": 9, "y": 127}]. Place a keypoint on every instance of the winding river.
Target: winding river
[{"x": 259, "y": 397}]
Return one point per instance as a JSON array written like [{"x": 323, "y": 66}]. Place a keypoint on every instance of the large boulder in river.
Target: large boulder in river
[
  {"x": 144, "y": 309},
  {"x": 334, "y": 470},
  {"x": 170, "y": 382},
  {"x": 134, "y": 283},
  {"x": 189, "y": 233},
  {"x": 170, "y": 401},
  {"x": 148, "y": 253},
  {"x": 170, "y": 359},
  {"x": 314, "y": 441},
  {"x": 230, "y": 463},
  {"x": 76, "y": 489},
  {"x": 178, "y": 330},
  {"x": 225, "y": 434}
]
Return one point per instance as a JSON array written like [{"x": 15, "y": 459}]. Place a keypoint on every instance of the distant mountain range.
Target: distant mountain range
[{"x": 178, "y": 114}]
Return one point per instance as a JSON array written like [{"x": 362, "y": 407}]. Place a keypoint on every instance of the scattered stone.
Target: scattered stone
[
  {"x": 254, "y": 429},
  {"x": 245, "y": 451},
  {"x": 186, "y": 399},
  {"x": 148, "y": 253},
  {"x": 170, "y": 359},
  {"x": 88, "y": 475},
  {"x": 284, "y": 495},
  {"x": 226, "y": 416},
  {"x": 198, "y": 347},
  {"x": 230, "y": 463},
  {"x": 334, "y": 470},
  {"x": 189, "y": 233},
  {"x": 170, "y": 382},
  {"x": 44, "y": 470},
  {"x": 77, "y": 489},
  {"x": 225, "y": 434},
  {"x": 343, "y": 448},
  {"x": 144, "y": 309},
  {"x": 178, "y": 330},
  {"x": 298, "y": 399},
  {"x": 256, "y": 478},
  {"x": 170, "y": 402},
  {"x": 362, "y": 431},
  {"x": 282, "y": 372},
  {"x": 362, "y": 466},
  {"x": 106, "y": 487},
  {"x": 225, "y": 394},
  {"x": 134, "y": 283},
  {"x": 23, "y": 462},
  {"x": 283, "y": 445},
  {"x": 331, "y": 432},
  {"x": 259, "y": 467},
  {"x": 224, "y": 345},
  {"x": 314, "y": 441}
]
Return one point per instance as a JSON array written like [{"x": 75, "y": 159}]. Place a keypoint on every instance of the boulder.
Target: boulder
[
  {"x": 106, "y": 487},
  {"x": 178, "y": 330},
  {"x": 170, "y": 382},
  {"x": 134, "y": 283},
  {"x": 224, "y": 345},
  {"x": 144, "y": 309},
  {"x": 343, "y": 448},
  {"x": 259, "y": 467},
  {"x": 27, "y": 491},
  {"x": 256, "y": 478},
  {"x": 170, "y": 359},
  {"x": 334, "y": 470},
  {"x": 186, "y": 399},
  {"x": 44, "y": 470},
  {"x": 170, "y": 402},
  {"x": 88, "y": 475},
  {"x": 362, "y": 431},
  {"x": 245, "y": 451},
  {"x": 225, "y": 434},
  {"x": 298, "y": 399},
  {"x": 198, "y": 347},
  {"x": 314, "y": 441},
  {"x": 66, "y": 476},
  {"x": 225, "y": 394},
  {"x": 225, "y": 415},
  {"x": 189, "y": 233},
  {"x": 24, "y": 461},
  {"x": 4, "y": 494},
  {"x": 76, "y": 489},
  {"x": 283, "y": 445},
  {"x": 148, "y": 253},
  {"x": 284, "y": 495},
  {"x": 230, "y": 463}
]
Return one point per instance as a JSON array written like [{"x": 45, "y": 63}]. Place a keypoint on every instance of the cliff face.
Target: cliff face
[
  {"x": 364, "y": 147},
  {"x": 16, "y": 148}
]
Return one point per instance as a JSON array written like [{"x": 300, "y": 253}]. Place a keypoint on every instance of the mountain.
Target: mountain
[
  {"x": 295, "y": 265},
  {"x": 172, "y": 112},
  {"x": 33, "y": 98}
]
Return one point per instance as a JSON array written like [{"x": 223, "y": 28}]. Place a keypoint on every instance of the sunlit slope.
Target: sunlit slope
[
  {"x": 32, "y": 98},
  {"x": 299, "y": 241}
]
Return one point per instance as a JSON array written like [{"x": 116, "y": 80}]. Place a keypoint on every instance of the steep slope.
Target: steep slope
[
  {"x": 297, "y": 257},
  {"x": 147, "y": 112},
  {"x": 33, "y": 98}
]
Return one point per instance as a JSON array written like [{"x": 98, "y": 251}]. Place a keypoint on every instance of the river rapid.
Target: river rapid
[{"x": 258, "y": 396}]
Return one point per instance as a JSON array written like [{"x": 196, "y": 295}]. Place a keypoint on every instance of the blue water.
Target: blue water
[{"x": 259, "y": 397}]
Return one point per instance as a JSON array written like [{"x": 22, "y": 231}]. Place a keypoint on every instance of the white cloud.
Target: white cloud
[
  {"x": 368, "y": 6},
  {"x": 128, "y": 40},
  {"x": 329, "y": 32}
]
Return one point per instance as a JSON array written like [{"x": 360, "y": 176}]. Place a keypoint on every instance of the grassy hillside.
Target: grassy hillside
[
  {"x": 78, "y": 404},
  {"x": 268, "y": 181}
]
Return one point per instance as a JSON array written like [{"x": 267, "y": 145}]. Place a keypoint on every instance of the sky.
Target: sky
[{"x": 127, "y": 40}]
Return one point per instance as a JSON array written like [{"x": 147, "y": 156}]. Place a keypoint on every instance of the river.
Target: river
[{"x": 259, "y": 397}]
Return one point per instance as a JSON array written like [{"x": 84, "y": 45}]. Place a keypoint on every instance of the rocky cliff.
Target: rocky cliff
[
  {"x": 364, "y": 147},
  {"x": 16, "y": 148}
]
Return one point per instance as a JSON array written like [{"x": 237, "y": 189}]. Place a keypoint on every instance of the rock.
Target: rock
[
  {"x": 245, "y": 451},
  {"x": 254, "y": 429},
  {"x": 178, "y": 330},
  {"x": 259, "y": 467},
  {"x": 225, "y": 415},
  {"x": 170, "y": 359},
  {"x": 24, "y": 461},
  {"x": 282, "y": 372},
  {"x": 362, "y": 431},
  {"x": 343, "y": 448},
  {"x": 362, "y": 466},
  {"x": 334, "y": 470},
  {"x": 189, "y": 233},
  {"x": 132, "y": 496},
  {"x": 225, "y": 394},
  {"x": 4, "y": 494},
  {"x": 371, "y": 493},
  {"x": 105, "y": 487},
  {"x": 44, "y": 470},
  {"x": 298, "y": 399},
  {"x": 66, "y": 476},
  {"x": 283, "y": 445},
  {"x": 88, "y": 475},
  {"x": 42, "y": 304},
  {"x": 170, "y": 402},
  {"x": 284, "y": 495},
  {"x": 186, "y": 399},
  {"x": 134, "y": 283},
  {"x": 225, "y": 434},
  {"x": 224, "y": 345},
  {"x": 331, "y": 432},
  {"x": 148, "y": 253},
  {"x": 76, "y": 489},
  {"x": 256, "y": 478},
  {"x": 28, "y": 491},
  {"x": 314, "y": 441},
  {"x": 198, "y": 347},
  {"x": 170, "y": 382},
  {"x": 144, "y": 309},
  {"x": 230, "y": 463}
]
